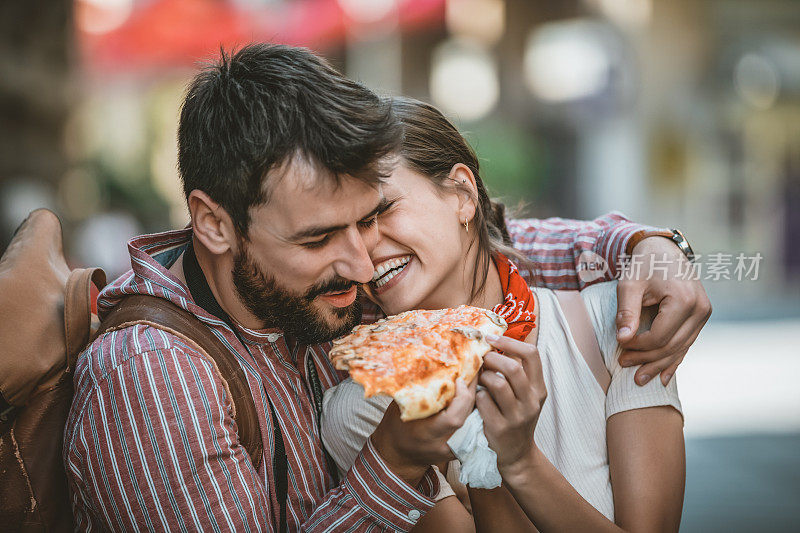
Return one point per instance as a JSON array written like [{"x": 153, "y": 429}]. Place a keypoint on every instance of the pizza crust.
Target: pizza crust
[{"x": 416, "y": 357}]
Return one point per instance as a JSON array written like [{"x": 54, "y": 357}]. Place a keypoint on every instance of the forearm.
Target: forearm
[
  {"x": 572, "y": 254},
  {"x": 548, "y": 500},
  {"x": 497, "y": 510}
]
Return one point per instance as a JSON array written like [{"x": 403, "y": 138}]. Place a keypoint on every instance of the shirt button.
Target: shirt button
[
  {"x": 272, "y": 337},
  {"x": 413, "y": 515}
]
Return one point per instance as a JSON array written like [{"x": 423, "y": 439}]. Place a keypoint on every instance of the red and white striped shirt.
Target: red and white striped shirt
[{"x": 150, "y": 443}]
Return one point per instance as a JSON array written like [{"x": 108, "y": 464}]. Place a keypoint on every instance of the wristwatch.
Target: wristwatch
[{"x": 675, "y": 235}]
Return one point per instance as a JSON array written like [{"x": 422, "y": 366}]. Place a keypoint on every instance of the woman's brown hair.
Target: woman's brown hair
[{"x": 432, "y": 146}]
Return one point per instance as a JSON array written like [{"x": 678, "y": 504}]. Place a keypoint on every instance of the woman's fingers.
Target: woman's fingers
[
  {"x": 500, "y": 390},
  {"x": 525, "y": 352},
  {"x": 511, "y": 347},
  {"x": 487, "y": 408},
  {"x": 511, "y": 370}
]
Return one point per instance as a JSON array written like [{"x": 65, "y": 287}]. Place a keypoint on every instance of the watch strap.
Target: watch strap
[
  {"x": 674, "y": 235},
  {"x": 641, "y": 235}
]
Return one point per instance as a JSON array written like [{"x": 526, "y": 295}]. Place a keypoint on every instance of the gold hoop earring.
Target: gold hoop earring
[{"x": 466, "y": 225}]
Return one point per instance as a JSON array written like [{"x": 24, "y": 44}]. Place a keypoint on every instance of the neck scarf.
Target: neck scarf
[{"x": 518, "y": 305}]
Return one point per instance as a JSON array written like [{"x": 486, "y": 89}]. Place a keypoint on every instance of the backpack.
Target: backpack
[{"x": 45, "y": 323}]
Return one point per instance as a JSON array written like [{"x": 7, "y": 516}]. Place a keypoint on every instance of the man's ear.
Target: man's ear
[
  {"x": 467, "y": 191},
  {"x": 212, "y": 225}
]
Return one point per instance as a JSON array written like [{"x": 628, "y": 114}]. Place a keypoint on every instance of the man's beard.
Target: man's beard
[{"x": 295, "y": 314}]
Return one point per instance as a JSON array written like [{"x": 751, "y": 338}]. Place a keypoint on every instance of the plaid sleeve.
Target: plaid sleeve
[
  {"x": 374, "y": 496},
  {"x": 555, "y": 248}
]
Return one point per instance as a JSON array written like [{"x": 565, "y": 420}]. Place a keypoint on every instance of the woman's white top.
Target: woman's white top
[{"x": 571, "y": 431}]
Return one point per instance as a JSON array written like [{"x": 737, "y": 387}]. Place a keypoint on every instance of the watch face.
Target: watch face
[{"x": 683, "y": 244}]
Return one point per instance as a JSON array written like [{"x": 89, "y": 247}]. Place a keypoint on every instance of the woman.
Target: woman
[{"x": 442, "y": 245}]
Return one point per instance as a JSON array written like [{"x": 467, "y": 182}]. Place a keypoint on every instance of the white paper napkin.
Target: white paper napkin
[{"x": 478, "y": 461}]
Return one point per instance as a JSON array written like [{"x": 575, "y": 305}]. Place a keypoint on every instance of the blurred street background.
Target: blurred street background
[{"x": 679, "y": 113}]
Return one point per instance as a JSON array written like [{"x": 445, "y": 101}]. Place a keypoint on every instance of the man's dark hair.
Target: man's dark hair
[{"x": 255, "y": 110}]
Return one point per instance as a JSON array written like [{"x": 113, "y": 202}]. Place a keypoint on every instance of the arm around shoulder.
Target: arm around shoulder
[{"x": 554, "y": 240}]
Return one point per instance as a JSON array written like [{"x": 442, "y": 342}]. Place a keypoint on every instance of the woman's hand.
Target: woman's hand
[{"x": 512, "y": 399}]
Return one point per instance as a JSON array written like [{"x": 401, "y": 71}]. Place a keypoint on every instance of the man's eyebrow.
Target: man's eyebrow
[{"x": 316, "y": 231}]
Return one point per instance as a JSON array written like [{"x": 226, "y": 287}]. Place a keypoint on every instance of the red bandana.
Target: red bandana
[{"x": 518, "y": 303}]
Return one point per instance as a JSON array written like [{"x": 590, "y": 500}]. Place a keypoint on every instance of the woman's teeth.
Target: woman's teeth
[{"x": 389, "y": 269}]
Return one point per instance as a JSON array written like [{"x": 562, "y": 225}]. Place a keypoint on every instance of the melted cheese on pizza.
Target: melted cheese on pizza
[{"x": 416, "y": 356}]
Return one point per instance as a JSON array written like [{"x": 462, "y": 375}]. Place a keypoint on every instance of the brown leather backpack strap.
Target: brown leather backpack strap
[
  {"x": 78, "y": 309},
  {"x": 162, "y": 314}
]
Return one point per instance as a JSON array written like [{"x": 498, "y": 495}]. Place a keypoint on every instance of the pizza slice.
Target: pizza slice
[{"x": 415, "y": 357}]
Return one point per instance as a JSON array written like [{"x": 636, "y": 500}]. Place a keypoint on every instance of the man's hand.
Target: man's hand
[
  {"x": 683, "y": 310},
  {"x": 409, "y": 448}
]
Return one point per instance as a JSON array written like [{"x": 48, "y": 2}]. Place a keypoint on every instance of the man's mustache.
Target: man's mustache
[{"x": 333, "y": 285}]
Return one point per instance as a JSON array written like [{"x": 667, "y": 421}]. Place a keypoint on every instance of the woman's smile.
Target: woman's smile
[{"x": 389, "y": 272}]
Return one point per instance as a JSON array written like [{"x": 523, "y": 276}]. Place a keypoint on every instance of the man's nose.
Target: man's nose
[{"x": 354, "y": 262}]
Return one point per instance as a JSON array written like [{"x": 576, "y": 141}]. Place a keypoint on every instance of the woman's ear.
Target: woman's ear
[
  {"x": 467, "y": 190},
  {"x": 212, "y": 225}
]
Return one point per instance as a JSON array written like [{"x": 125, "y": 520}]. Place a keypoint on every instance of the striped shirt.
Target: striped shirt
[{"x": 151, "y": 444}]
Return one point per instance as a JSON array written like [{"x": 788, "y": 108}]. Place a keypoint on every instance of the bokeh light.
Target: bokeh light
[
  {"x": 757, "y": 80},
  {"x": 482, "y": 20},
  {"x": 102, "y": 16},
  {"x": 367, "y": 11},
  {"x": 464, "y": 80},
  {"x": 566, "y": 61},
  {"x": 632, "y": 14}
]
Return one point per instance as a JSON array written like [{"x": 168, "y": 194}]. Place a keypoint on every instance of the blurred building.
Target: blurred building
[{"x": 676, "y": 112}]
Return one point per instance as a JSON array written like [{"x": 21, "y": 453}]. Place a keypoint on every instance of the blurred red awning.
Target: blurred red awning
[{"x": 165, "y": 34}]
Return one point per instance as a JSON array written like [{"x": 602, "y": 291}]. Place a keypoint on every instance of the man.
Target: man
[{"x": 281, "y": 159}]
